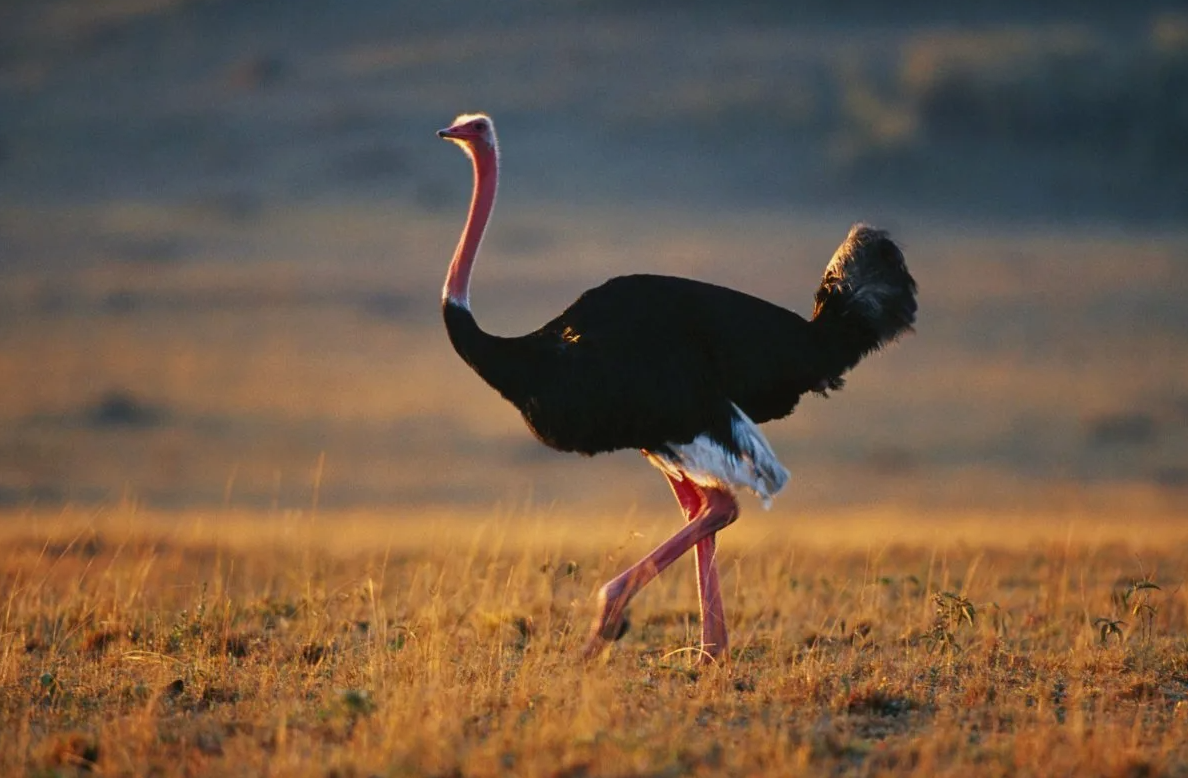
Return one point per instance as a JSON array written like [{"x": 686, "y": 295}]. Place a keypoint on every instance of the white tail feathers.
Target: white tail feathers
[{"x": 707, "y": 462}]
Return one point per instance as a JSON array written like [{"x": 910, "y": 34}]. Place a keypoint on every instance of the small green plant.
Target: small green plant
[
  {"x": 1136, "y": 599},
  {"x": 1109, "y": 627},
  {"x": 187, "y": 626},
  {"x": 50, "y": 688},
  {"x": 1133, "y": 599},
  {"x": 953, "y": 611},
  {"x": 954, "y": 608}
]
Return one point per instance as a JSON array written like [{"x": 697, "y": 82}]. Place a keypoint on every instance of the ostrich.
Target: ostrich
[{"x": 682, "y": 370}]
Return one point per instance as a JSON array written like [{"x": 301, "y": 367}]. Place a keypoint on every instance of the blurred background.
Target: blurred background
[{"x": 224, "y": 226}]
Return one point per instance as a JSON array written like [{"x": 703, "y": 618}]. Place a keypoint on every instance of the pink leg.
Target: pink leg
[
  {"x": 694, "y": 500},
  {"x": 720, "y": 511}
]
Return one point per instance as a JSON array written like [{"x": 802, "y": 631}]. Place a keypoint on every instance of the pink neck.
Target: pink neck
[{"x": 486, "y": 180}]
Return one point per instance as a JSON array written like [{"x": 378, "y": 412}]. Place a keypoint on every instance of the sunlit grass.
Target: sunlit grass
[{"x": 297, "y": 644}]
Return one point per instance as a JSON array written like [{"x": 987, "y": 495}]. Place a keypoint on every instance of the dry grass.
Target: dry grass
[{"x": 136, "y": 645}]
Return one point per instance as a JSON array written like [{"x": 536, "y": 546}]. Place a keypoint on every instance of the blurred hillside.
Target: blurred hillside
[
  {"x": 223, "y": 227},
  {"x": 1075, "y": 111}
]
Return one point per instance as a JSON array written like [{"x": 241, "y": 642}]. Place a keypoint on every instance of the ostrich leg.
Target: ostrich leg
[
  {"x": 693, "y": 501},
  {"x": 720, "y": 511}
]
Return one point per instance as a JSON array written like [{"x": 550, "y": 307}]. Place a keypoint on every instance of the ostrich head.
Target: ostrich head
[{"x": 472, "y": 131}]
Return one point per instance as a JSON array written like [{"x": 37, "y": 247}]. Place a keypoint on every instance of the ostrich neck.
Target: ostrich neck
[{"x": 486, "y": 180}]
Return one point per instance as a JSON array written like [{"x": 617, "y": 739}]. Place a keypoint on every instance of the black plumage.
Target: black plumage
[{"x": 645, "y": 361}]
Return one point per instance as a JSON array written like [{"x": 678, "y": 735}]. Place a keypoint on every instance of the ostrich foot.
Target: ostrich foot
[{"x": 610, "y": 621}]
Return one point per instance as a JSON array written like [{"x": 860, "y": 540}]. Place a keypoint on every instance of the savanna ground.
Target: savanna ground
[{"x": 313, "y": 645}]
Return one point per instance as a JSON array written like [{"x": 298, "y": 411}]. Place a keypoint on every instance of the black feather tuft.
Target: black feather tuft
[{"x": 867, "y": 297}]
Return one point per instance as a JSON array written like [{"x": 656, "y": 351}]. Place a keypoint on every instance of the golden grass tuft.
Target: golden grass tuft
[{"x": 356, "y": 646}]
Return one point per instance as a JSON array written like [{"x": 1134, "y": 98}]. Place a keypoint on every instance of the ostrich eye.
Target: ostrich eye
[{"x": 480, "y": 126}]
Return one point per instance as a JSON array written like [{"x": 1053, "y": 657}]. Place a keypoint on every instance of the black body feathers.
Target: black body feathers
[{"x": 644, "y": 360}]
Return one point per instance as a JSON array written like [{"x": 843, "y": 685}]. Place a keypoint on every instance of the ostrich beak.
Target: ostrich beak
[{"x": 448, "y": 133}]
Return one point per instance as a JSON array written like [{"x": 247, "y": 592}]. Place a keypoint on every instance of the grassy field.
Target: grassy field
[{"x": 359, "y": 645}]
